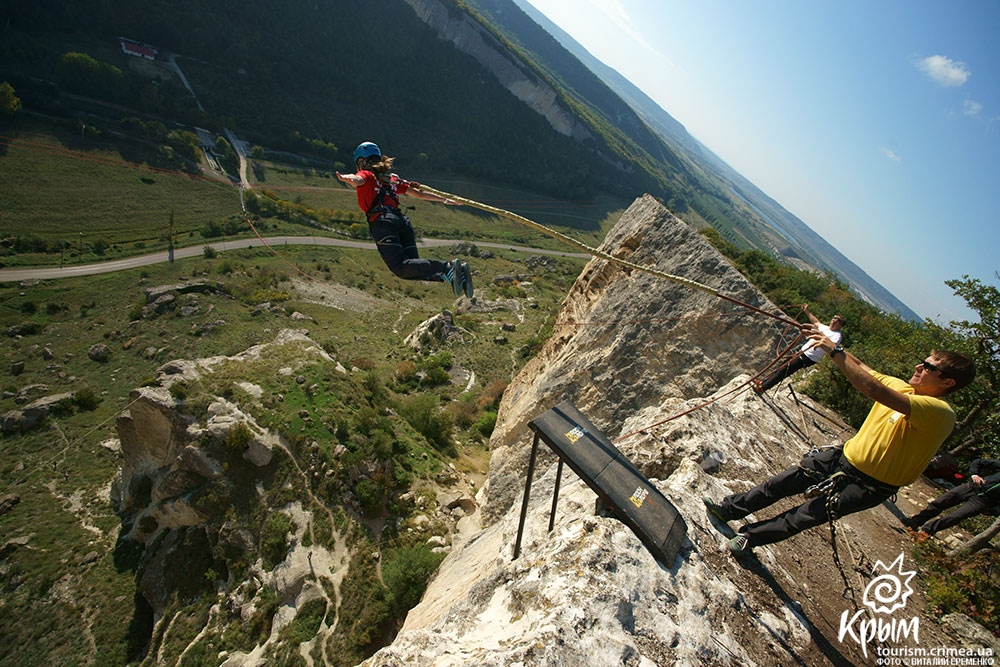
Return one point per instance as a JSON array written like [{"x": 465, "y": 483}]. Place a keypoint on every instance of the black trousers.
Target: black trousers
[
  {"x": 797, "y": 363},
  {"x": 397, "y": 243},
  {"x": 858, "y": 492},
  {"x": 966, "y": 495}
]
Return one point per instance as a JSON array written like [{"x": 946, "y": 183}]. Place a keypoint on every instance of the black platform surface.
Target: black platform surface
[{"x": 614, "y": 478}]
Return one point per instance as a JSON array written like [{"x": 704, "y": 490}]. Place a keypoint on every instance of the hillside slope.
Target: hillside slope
[
  {"x": 790, "y": 236},
  {"x": 480, "y": 94}
]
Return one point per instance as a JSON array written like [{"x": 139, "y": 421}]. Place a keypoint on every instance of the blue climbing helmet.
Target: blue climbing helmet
[{"x": 367, "y": 150}]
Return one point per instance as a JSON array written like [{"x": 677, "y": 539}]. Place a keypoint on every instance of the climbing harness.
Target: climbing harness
[
  {"x": 826, "y": 486},
  {"x": 379, "y": 206},
  {"x": 831, "y": 487}
]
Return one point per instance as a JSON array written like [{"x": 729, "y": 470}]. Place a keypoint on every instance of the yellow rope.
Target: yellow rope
[{"x": 600, "y": 253}]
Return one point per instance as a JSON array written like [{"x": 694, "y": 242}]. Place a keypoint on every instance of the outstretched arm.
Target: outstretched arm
[
  {"x": 812, "y": 318},
  {"x": 859, "y": 374},
  {"x": 353, "y": 180},
  {"x": 413, "y": 190}
]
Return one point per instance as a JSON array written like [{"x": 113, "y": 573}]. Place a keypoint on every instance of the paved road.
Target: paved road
[{"x": 50, "y": 273}]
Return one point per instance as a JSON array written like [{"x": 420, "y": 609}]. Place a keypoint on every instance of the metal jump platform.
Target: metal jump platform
[{"x": 616, "y": 481}]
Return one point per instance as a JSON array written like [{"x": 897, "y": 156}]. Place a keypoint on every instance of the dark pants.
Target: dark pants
[
  {"x": 857, "y": 492},
  {"x": 972, "y": 504},
  {"x": 397, "y": 244},
  {"x": 797, "y": 363}
]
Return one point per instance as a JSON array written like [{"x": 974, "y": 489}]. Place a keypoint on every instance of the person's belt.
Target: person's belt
[
  {"x": 379, "y": 210},
  {"x": 866, "y": 480}
]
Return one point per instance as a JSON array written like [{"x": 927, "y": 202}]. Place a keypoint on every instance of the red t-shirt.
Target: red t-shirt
[{"x": 369, "y": 189}]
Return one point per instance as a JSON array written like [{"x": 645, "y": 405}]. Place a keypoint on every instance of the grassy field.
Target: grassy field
[
  {"x": 64, "y": 595},
  {"x": 67, "y": 200},
  {"x": 72, "y": 192}
]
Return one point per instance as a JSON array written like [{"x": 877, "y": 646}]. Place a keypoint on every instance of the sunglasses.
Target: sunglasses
[{"x": 928, "y": 366}]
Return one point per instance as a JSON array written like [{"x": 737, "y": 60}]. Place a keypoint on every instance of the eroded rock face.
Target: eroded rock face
[
  {"x": 628, "y": 340},
  {"x": 181, "y": 472},
  {"x": 472, "y": 39},
  {"x": 201, "y": 482}
]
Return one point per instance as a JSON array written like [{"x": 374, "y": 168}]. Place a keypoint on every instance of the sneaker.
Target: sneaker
[
  {"x": 718, "y": 511},
  {"x": 467, "y": 280},
  {"x": 909, "y": 522},
  {"x": 453, "y": 275},
  {"x": 740, "y": 546}
]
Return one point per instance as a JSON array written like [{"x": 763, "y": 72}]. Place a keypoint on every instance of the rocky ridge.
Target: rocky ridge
[{"x": 186, "y": 466}]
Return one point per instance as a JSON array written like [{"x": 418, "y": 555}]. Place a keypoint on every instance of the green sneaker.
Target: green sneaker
[
  {"x": 467, "y": 280},
  {"x": 453, "y": 275},
  {"x": 740, "y": 546},
  {"x": 718, "y": 511}
]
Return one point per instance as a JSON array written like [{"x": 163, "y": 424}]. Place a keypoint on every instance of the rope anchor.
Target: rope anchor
[{"x": 826, "y": 486}]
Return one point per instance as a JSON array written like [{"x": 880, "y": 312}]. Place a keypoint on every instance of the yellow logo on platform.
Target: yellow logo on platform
[
  {"x": 576, "y": 434},
  {"x": 639, "y": 496}
]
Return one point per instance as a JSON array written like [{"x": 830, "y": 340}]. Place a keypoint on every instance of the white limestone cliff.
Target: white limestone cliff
[{"x": 659, "y": 367}]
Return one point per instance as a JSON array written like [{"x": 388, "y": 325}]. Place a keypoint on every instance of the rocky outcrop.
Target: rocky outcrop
[
  {"x": 662, "y": 370},
  {"x": 34, "y": 413},
  {"x": 164, "y": 298},
  {"x": 627, "y": 341},
  {"x": 184, "y": 467},
  {"x": 438, "y": 330},
  {"x": 211, "y": 502}
]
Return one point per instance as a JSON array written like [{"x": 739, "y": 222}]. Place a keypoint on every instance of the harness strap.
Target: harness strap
[
  {"x": 830, "y": 486},
  {"x": 846, "y": 473},
  {"x": 379, "y": 206},
  {"x": 870, "y": 483},
  {"x": 826, "y": 486}
]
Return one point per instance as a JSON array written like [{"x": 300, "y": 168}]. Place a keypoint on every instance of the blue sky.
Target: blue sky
[{"x": 877, "y": 123}]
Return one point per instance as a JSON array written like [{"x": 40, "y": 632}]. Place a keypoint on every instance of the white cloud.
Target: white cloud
[
  {"x": 616, "y": 12},
  {"x": 971, "y": 108},
  {"x": 891, "y": 155},
  {"x": 944, "y": 70}
]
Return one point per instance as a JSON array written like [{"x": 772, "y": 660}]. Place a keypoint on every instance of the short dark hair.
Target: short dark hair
[{"x": 957, "y": 366}]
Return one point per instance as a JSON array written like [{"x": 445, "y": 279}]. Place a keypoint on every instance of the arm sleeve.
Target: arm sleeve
[{"x": 984, "y": 467}]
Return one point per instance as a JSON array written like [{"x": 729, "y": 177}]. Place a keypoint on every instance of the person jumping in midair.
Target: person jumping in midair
[{"x": 378, "y": 193}]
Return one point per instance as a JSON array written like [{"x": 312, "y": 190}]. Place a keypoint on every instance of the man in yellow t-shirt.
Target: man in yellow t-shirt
[{"x": 898, "y": 439}]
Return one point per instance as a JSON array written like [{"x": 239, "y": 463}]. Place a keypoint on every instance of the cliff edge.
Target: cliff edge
[{"x": 660, "y": 368}]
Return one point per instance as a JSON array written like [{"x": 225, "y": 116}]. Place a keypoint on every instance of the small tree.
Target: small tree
[
  {"x": 981, "y": 424},
  {"x": 10, "y": 103}
]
